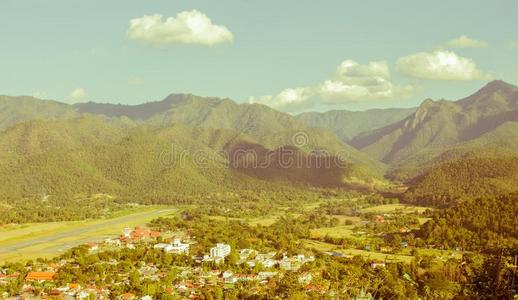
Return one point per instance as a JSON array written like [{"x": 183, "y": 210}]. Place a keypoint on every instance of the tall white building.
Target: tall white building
[{"x": 220, "y": 251}]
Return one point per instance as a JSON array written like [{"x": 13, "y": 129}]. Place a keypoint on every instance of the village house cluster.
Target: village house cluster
[{"x": 189, "y": 280}]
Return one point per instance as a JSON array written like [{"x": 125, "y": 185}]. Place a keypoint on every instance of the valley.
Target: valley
[
  {"x": 258, "y": 150},
  {"x": 406, "y": 199}
]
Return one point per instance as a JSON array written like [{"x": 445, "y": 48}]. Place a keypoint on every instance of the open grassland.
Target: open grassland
[
  {"x": 390, "y": 208},
  {"x": 322, "y": 246},
  {"x": 403, "y": 256},
  {"x": 27, "y": 241},
  {"x": 342, "y": 231},
  {"x": 272, "y": 217},
  {"x": 253, "y": 221}
]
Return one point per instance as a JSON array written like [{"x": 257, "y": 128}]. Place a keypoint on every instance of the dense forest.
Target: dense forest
[
  {"x": 464, "y": 178},
  {"x": 475, "y": 224}
]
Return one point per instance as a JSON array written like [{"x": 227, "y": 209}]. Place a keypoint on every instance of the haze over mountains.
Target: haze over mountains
[{"x": 110, "y": 147}]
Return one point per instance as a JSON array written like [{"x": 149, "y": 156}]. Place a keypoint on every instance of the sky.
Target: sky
[{"x": 291, "y": 55}]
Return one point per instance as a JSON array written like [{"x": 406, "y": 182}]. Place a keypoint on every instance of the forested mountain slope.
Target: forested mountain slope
[{"x": 439, "y": 124}]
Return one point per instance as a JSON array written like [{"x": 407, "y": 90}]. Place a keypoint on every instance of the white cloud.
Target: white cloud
[
  {"x": 78, "y": 94},
  {"x": 39, "y": 95},
  {"x": 466, "y": 42},
  {"x": 188, "y": 27},
  {"x": 356, "y": 82},
  {"x": 290, "y": 99},
  {"x": 439, "y": 65},
  {"x": 351, "y": 82}
]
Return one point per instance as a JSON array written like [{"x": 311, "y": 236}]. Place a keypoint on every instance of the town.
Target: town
[{"x": 40, "y": 277}]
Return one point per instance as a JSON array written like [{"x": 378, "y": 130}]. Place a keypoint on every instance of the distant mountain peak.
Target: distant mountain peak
[{"x": 497, "y": 86}]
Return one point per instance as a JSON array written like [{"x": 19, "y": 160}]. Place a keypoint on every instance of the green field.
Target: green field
[
  {"x": 342, "y": 231},
  {"x": 29, "y": 241},
  {"x": 390, "y": 208}
]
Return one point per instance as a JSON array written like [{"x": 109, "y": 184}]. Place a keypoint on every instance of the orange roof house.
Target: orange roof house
[
  {"x": 127, "y": 296},
  {"x": 138, "y": 234},
  {"x": 40, "y": 276}
]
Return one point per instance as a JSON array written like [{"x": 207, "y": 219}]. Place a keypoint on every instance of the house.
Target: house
[
  {"x": 83, "y": 295},
  {"x": 40, "y": 276},
  {"x": 138, "y": 234},
  {"x": 93, "y": 247},
  {"x": 220, "y": 251},
  {"x": 177, "y": 247},
  {"x": 244, "y": 254},
  {"x": 315, "y": 288},
  {"x": 246, "y": 277},
  {"x": 266, "y": 275},
  {"x": 334, "y": 254},
  {"x": 378, "y": 264},
  {"x": 285, "y": 264},
  {"x": 228, "y": 277},
  {"x": 305, "y": 278},
  {"x": 112, "y": 242},
  {"x": 127, "y": 296},
  {"x": 227, "y": 274},
  {"x": 300, "y": 257},
  {"x": 268, "y": 263},
  {"x": 160, "y": 246},
  {"x": 404, "y": 229}
]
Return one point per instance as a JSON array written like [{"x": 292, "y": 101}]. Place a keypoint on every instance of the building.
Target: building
[
  {"x": 93, "y": 247},
  {"x": 220, "y": 251},
  {"x": 177, "y": 247},
  {"x": 285, "y": 264},
  {"x": 160, "y": 246},
  {"x": 266, "y": 275},
  {"x": 244, "y": 254},
  {"x": 138, "y": 234},
  {"x": 305, "y": 278},
  {"x": 40, "y": 276},
  {"x": 377, "y": 264}
]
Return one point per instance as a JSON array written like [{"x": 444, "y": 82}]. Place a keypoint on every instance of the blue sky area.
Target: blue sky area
[{"x": 291, "y": 55}]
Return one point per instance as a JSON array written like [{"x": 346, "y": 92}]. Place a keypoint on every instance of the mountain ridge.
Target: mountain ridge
[{"x": 443, "y": 123}]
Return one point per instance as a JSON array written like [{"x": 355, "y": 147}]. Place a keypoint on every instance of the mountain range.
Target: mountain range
[{"x": 100, "y": 147}]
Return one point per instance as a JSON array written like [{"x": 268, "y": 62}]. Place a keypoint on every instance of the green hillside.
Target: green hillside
[
  {"x": 473, "y": 175},
  {"x": 439, "y": 124},
  {"x": 18, "y": 109},
  {"x": 89, "y": 155},
  {"x": 482, "y": 223}
]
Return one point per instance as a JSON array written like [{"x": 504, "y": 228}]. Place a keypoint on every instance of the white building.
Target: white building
[
  {"x": 177, "y": 247},
  {"x": 268, "y": 263},
  {"x": 160, "y": 245},
  {"x": 285, "y": 264},
  {"x": 244, "y": 254},
  {"x": 266, "y": 275},
  {"x": 127, "y": 232},
  {"x": 220, "y": 251}
]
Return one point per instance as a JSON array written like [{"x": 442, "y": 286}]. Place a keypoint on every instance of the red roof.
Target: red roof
[
  {"x": 128, "y": 296},
  {"x": 40, "y": 276}
]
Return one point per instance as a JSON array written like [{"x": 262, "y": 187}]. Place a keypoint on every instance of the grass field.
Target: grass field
[
  {"x": 321, "y": 246},
  {"x": 253, "y": 221},
  {"x": 342, "y": 231},
  {"x": 29, "y": 241},
  {"x": 389, "y": 208}
]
